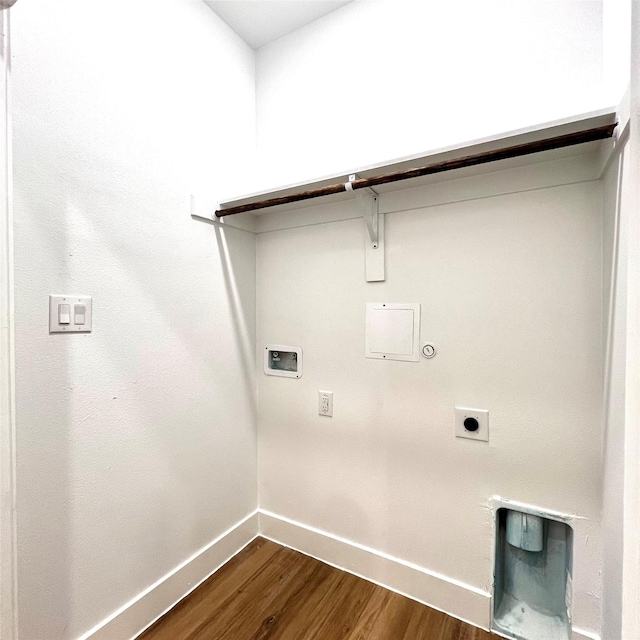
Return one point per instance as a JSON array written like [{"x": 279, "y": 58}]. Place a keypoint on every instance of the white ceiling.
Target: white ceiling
[{"x": 259, "y": 22}]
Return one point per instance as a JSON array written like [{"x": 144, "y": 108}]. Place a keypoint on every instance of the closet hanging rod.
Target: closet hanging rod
[{"x": 548, "y": 144}]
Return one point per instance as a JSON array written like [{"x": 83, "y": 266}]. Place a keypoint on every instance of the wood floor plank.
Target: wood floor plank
[
  {"x": 255, "y": 615},
  {"x": 252, "y": 601},
  {"x": 202, "y": 604},
  {"x": 393, "y": 621},
  {"x": 337, "y": 613},
  {"x": 309, "y": 604},
  {"x": 372, "y": 625},
  {"x": 270, "y": 592},
  {"x": 303, "y": 604}
]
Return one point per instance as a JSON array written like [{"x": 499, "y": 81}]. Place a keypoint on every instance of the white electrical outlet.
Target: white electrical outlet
[
  {"x": 325, "y": 403},
  {"x": 472, "y": 423}
]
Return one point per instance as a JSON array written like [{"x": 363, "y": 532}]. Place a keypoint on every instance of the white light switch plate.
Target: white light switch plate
[
  {"x": 482, "y": 418},
  {"x": 78, "y": 322}
]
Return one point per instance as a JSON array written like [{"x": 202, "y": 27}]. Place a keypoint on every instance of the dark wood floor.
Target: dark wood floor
[{"x": 270, "y": 592}]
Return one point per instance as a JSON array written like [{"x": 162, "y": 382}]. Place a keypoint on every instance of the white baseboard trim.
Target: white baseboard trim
[
  {"x": 460, "y": 600},
  {"x": 451, "y": 596},
  {"x": 576, "y": 634},
  {"x": 138, "y": 614},
  {"x": 581, "y": 634}
]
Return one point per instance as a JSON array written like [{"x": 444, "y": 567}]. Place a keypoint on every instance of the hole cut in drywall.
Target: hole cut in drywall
[{"x": 533, "y": 567}]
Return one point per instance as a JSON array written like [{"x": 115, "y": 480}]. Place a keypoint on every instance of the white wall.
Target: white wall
[
  {"x": 136, "y": 443},
  {"x": 621, "y": 510},
  {"x": 615, "y": 284},
  {"x": 510, "y": 287},
  {"x": 620, "y": 570},
  {"x": 616, "y": 48},
  {"x": 631, "y": 562},
  {"x": 378, "y": 79}
]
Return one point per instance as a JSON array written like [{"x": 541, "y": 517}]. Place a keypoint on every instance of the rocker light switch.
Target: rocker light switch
[
  {"x": 64, "y": 313},
  {"x": 70, "y": 314},
  {"x": 79, "y": 313}
]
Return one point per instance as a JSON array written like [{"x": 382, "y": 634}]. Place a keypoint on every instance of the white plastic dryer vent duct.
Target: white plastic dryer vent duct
[{"x": 524, "y": 531}]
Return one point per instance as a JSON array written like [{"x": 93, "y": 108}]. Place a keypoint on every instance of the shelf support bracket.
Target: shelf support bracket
[{"x": 368, "y": 201}]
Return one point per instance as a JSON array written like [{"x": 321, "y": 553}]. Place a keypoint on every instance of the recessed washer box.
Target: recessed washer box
[
  {"x": 393, "y": 331},
  {"x": 282, "y": 360}
]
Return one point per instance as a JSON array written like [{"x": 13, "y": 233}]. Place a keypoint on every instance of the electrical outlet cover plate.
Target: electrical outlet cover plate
[
  {"x": 481, "y": 415},
  {"x": 325, "y": 403}
]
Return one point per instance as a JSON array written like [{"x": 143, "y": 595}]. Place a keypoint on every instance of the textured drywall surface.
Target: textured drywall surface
[
  {"x": 136, "y": 443},
  {"x": 378, "y": 80},
  {"x": 511, "y": 295}
]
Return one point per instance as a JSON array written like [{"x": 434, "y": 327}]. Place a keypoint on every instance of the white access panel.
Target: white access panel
[{"x": 393, "y": 331}]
